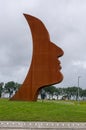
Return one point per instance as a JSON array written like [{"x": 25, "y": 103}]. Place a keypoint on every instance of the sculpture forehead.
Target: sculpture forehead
[{"x": 38, "y": 29}]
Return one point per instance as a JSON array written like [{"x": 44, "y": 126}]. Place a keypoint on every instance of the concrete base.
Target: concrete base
[{"x": 9, "y": 125}]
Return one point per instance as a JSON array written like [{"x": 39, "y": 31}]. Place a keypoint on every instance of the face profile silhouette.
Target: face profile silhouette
[{"x": 45, "y": 67}]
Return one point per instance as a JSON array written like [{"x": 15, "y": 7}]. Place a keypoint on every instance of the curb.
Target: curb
[{"x": 8, "y": 125}]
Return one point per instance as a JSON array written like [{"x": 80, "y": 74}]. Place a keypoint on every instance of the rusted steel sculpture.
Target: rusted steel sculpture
[{"x": 45, "y": 66}]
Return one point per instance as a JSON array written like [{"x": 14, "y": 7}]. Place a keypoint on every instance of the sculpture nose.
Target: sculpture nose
[{"x": 56, "y": 50}]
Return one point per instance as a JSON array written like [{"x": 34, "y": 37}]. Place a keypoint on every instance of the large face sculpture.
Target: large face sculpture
[{"x": 45, "y": 67}]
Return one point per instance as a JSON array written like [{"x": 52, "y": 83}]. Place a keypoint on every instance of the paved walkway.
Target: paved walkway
[{"x": 10, "y": 125}]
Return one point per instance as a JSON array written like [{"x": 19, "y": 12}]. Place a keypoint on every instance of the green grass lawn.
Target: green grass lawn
[{"x": 55, "y": 111}]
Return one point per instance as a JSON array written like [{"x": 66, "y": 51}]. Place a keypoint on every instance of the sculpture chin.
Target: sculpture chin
[{"x": 59, "y": 77}]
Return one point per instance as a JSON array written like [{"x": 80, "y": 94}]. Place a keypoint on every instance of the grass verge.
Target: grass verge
[{"x": 55, "y": 111}]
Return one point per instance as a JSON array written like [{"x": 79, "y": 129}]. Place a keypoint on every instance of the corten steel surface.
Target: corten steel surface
[{"x": 45, "y": 66}]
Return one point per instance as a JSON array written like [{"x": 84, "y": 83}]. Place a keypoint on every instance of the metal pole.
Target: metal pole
[{"x": 78, "y": 88}]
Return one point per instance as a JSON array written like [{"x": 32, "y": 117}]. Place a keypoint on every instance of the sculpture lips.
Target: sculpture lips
[{"x": 59, "y": 65}]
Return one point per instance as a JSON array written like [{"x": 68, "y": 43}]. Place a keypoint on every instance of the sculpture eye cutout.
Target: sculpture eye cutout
[{"x": 45, "y": 67}]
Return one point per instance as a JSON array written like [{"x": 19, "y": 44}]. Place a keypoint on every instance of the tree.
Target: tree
[
  {"x": 83, "y": 94},
  {"x": 43, "y": 94},
  {"x": 71, "y": 92},
  {"x": 50, "y": 90},
  {"x": 11, "y": 86},
  {"x": 1, "y": 88}
]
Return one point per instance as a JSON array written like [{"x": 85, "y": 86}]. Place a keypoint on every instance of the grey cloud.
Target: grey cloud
[{"x": 66, "y": 23}]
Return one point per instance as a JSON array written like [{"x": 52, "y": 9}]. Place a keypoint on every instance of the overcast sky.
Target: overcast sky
[{"x": 66, "y": 23}]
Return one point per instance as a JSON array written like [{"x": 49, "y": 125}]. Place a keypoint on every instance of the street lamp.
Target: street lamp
[{"x": 78, "y": 88}]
